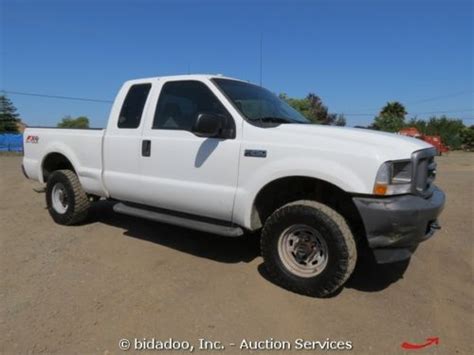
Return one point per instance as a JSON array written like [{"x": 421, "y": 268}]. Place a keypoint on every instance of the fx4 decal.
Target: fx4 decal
[{"x": 32, "y": 139}]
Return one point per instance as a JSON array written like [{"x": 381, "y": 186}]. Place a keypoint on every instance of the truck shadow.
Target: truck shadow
[
  {"x": 203, "y": 245},
  {"x": 368, "y": 276}
]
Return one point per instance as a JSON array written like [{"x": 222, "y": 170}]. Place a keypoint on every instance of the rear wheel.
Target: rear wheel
[
  {"x": 308, "y": 248},
  {"x": 66, "y": 200}
]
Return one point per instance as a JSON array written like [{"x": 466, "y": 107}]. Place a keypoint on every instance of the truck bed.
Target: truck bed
[{"x": 82, "y": 146}]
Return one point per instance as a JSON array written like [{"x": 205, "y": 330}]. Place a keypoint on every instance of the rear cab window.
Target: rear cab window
[{"x": 131, "y": 113}]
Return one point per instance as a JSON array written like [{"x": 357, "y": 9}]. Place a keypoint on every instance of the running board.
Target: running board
[{"x": 186, "y": 222}]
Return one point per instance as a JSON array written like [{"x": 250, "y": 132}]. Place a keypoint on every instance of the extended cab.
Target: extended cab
[{"x": 225, "y": 156}]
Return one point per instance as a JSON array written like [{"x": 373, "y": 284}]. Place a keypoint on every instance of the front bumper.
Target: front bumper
[{"x": 396, "y": 225}]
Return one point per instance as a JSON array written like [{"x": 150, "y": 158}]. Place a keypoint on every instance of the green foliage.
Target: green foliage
[
  {"x": 8, "y": 116},
  {"x": 393, "y": 108},
  {"x": 420, "y": 125},
  {"x": 467, "y": 137},
  {"x": 69, "y": 122},
  {"x": 340, "y": 120},
  {"x": 449, "y": 129},
  {"x": 313, "y": 109},
  {"x": 391, "y": 118}
]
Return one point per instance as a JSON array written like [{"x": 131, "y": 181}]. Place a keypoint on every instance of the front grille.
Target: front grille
[
  {"x": 424, "y": 171},
  {"x": 431, "y": 171}
]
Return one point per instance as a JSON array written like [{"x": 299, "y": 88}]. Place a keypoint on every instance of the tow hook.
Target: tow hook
[{"x": 435, "y": 225}]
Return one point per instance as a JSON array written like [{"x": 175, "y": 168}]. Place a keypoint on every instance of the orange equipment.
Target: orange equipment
[{"x": 433, "y": 140}]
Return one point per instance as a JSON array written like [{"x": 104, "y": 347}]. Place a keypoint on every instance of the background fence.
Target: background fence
[{"x": 11, "y": 143}]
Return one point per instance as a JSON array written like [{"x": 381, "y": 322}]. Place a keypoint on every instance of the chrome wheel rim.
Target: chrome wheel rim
[
  {"x": 59, "y": 198},
  {"x": 303, "y": 251}
]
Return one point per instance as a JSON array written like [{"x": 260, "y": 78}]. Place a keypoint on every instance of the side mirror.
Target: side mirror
[{"x": 208, "y": 125}]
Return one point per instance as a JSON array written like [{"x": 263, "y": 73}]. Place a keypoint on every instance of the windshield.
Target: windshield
[{"x": 258, "y": 104}]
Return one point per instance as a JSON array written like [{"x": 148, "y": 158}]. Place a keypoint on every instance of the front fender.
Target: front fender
[{"x": 252, "y": 181}]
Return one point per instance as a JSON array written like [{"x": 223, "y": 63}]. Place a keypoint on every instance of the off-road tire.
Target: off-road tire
[
  {"x": 341, "y": 246},
  {"x": 78, "y": 202}
]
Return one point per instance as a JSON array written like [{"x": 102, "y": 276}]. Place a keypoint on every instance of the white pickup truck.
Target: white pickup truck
[{"x": 225, "y": 156}]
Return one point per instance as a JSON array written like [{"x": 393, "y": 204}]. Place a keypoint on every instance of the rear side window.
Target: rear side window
[
  {"x": 132, "y": 109},
  {"x": 181, "y": 102}
]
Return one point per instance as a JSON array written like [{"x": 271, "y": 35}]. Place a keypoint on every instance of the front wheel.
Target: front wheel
[
  {"x": 66, "y": 200},
  {"x": 308, "y": 248}
]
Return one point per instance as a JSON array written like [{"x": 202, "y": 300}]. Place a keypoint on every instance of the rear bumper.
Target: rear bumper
[{"x": 396, "y": 225}]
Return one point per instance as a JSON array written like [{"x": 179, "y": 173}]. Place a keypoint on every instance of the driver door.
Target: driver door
[{"x": 181, "y": 171}]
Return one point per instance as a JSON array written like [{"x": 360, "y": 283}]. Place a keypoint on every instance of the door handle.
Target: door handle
[{"x": 146, "y": 148}]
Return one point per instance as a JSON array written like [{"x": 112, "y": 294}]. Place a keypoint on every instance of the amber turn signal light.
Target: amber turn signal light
[{"x": 380, "y": 189}]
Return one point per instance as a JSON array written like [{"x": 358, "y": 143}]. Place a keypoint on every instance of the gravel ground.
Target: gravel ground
[{"x": 81, "y": 289}]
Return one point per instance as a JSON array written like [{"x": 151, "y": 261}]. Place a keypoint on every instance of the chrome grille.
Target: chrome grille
[
  {"x": 424, "y": 171},
  {"x": 431, "y": 171}
]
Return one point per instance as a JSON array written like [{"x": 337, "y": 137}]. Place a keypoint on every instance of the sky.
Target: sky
[{"x": 356, "y": 55}]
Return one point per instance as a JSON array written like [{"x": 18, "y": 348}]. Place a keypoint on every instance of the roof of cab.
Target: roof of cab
[{"x": 182, "y": 77}]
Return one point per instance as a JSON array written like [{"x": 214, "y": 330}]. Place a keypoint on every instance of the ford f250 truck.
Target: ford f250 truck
[{"x": 224, "y": 156}]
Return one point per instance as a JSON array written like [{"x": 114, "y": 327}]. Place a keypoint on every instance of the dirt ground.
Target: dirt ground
[{"x": 82, "y": 289}]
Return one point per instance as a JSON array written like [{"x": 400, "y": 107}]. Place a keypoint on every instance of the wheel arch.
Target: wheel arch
[
  {"x": 283, "y": 190},
  {"x": 55, "y": 161}
]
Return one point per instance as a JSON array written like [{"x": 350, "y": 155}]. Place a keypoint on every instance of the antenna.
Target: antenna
[{"x": 261, "y": 57}]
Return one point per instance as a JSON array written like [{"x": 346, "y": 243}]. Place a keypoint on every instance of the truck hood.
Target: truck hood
[{"x": 386, "y": 146}]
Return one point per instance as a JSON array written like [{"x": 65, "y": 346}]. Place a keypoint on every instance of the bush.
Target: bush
[
  {"x": 467, "y": 138},
  {"x": 449, "y": 129}
]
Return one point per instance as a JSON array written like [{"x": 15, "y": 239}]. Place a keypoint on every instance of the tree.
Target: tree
[
  {"x": 8, "y": 116},
  {"x": 420, "y": 125},
  {"x": 340, "y": 120},
  {"x": 391, "y": 118},
  {"x": 313, "y": 109},
  {"x": 467, "y": 137},
  {"x": 394, "y": 108},
  {"x": 449, "y": 129},
  {"x": 69, "y": 122}
]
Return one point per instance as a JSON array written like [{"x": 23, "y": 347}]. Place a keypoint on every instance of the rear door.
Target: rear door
[
  {"x": 122, "y": 143},
  {"x": 184, "y": 172}
]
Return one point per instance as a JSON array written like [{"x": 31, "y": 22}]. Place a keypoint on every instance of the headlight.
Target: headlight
[{"x": 393, "y": 178}]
